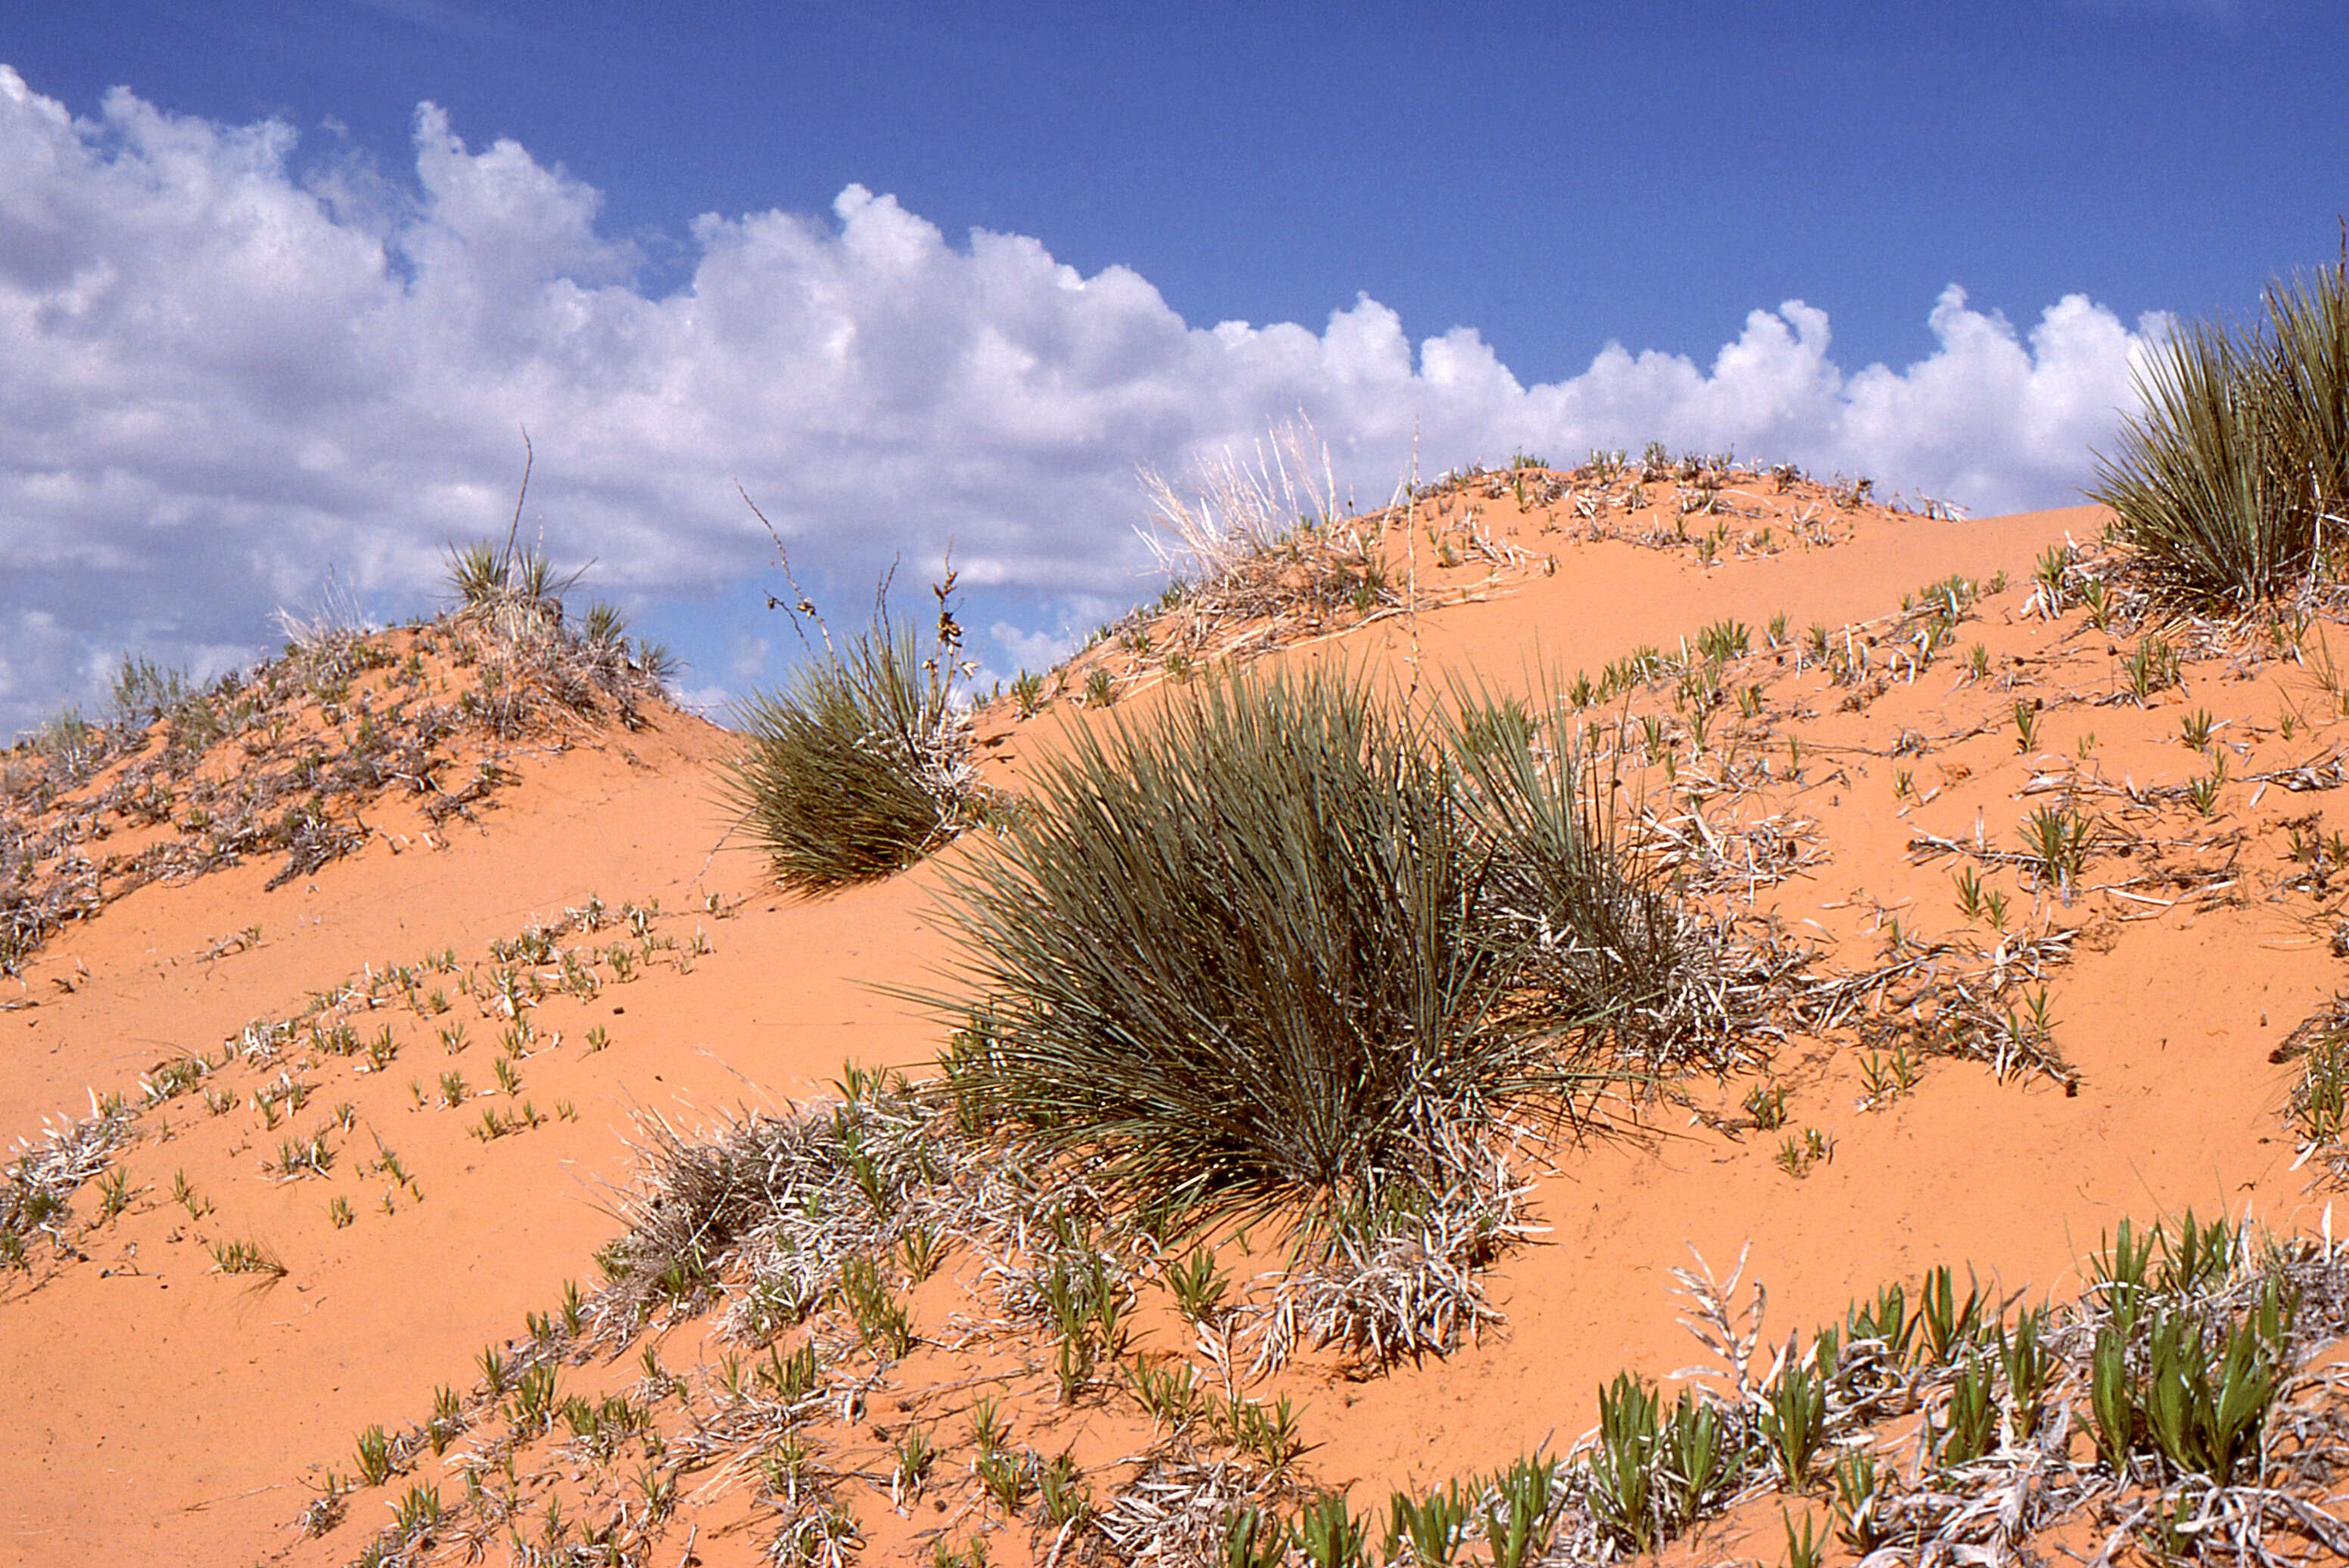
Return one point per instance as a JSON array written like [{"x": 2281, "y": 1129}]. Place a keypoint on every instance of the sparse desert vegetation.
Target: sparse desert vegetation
[
  {"x": 286, "y": 759},
  {"x": 1247, "y": 1094}
]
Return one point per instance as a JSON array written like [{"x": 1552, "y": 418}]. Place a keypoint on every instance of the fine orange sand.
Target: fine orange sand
[{"x": 159, "y": 1411}]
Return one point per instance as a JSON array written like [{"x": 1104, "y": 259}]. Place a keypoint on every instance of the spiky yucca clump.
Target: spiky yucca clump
[
  {"x": 858, "y": 767},
  {"x": 1279, "y": 948},
  {"x": 2234, "y": 482},
  {"x": 511, "y": 588}
]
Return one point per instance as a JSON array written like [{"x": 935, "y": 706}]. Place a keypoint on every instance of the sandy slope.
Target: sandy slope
[{"x": 164, "y": 1412}]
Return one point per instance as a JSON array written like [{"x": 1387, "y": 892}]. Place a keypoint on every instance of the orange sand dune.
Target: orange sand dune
[{"x": 163, "y": 1412}]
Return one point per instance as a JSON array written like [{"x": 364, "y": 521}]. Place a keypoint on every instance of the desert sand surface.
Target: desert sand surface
[{"x": 532, "y": 990}]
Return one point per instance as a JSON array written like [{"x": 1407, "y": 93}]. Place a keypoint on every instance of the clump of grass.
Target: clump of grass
[
  {"x": 2055, "y": 839},
  {"x": 1655, "y": 1468},
  {"x": 510, "y": 597},
  {"x": 37, "y": 1188},
  {"x": 860, "y": 766},
  {"x": 2225, "y": 481},
  {"x": 1272, "y": 949},
  {"x": 2319, "y": 1106},
  {"x": 1262, "y": 540},
  {"x": 247, "y": 1257}
]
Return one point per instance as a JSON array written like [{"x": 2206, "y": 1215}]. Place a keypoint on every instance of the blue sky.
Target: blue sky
[{"x": 262, "y": 315}]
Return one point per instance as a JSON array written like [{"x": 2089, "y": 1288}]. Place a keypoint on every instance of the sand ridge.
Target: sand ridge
[{"x": 472, "y": 1029}]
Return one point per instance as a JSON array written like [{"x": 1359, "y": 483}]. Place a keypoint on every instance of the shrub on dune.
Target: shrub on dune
[
  {"x": 2234, "y": 480},
  {"x": 857, "y": 767},
  {"x": 1278, "y": 948}
]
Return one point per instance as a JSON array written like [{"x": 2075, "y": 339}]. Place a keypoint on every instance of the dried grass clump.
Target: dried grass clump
[
  {"x": 1269, "y": 952},
  {"x": 2239, "y": 466},
  {"x": 1397, "y": 1283},
  {"x": 768, "y": 1208},
  {"x": 1247, "y": 544},
  {"x": 37, "y": 1186}
]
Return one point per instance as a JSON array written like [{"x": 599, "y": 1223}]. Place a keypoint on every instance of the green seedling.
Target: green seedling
[
  {"x": 1430, "y": 1530},
  {"x": 420, "y": 1513},
  {"x": 2203, "y": 793},
  {"x": 246, "y": 1257},
  {"x": 1006, "y": 1477},
  {"x": 1198, "y": 1285},
  {"x": 2152, "y": 666},
  {"x": 987, "y": 1430},
  {"x": 1803, "y": 1550},
  {"x": 1948, "y": 1324},
  {"x": 1169, "y": 1391},
  {"x": 1968, "y": 1427},
  {"x": 377, "y": 1463},
  {"x": 2320, "y": 1101},
  {"x": 2030, "y": 1367},
  {"x": 2054, "y": 562},
  {"x": 2056, "y": 840},
  {"x": 1970, "y": 890},
  {"x": 1794, "y": 1419},
  {"x": 114, "y": 1193},
  {"x": 1517, "y": 1524},
  {"x": 1067, "y": 1496},
  {"x": 1858, "y": 1502},
  {"x": 1327, "y": 1535},
  {"x": 916, "y": 1453},
  {"x": 1798, "y": 1157},
  {"x": 185, "y": 1195},
  {"x": 1886, "y": 1077},
  {"x": 881, "y": 1320}
]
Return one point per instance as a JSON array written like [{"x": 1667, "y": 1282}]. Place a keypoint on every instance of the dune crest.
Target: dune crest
[{"x": 2031, "y": 879}]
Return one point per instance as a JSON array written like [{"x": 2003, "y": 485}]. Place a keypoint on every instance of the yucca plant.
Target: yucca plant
[
  {"x": 1793, "y": 1418},
  {"x": 2206, "y": 1399},
  {"x": 858, "y": 767},
  {"x": 2234, "y": 480},
  {"x": 1279, "y": 948},
  {"x": 514, "y": 587},
  {"x": 2307, "y": 375},
  {"x": 1656, "y": 1467}
]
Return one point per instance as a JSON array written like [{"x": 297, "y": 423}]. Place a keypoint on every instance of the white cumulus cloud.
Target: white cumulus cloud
[{"x": 222, "y": 374}]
